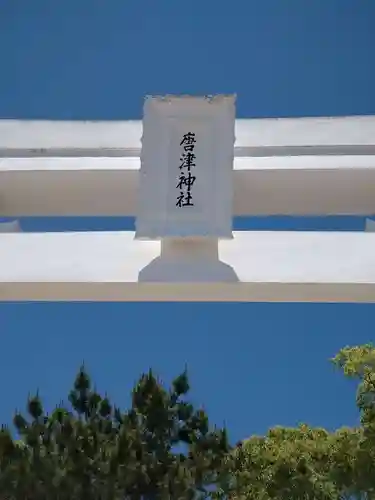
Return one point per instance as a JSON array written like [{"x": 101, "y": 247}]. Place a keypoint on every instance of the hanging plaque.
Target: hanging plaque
[{"x": 186, "y": 187}]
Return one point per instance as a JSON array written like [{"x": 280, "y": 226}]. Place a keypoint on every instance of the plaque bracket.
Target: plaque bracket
[{"x": 184, "y": 260}]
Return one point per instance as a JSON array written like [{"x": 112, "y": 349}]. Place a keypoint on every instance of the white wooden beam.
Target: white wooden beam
[
  {"x": 254, "y": 137},
  {"x": 297, "y": 185},
  {"x": 271, "y": 266},
  {"x": 290, "y": 166}
]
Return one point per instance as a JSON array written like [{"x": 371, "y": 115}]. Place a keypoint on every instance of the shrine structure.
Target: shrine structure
[{"x": 184, "y": 172}]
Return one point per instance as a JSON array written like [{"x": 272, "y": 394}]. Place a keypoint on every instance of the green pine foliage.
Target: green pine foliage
[{"x": 93, "y": 450}]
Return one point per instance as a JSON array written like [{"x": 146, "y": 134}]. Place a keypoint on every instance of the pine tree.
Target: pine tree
[{"x": 161, "y": 448}]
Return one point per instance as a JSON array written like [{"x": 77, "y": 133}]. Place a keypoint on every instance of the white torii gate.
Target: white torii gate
[{"x": 287, "y": 166}]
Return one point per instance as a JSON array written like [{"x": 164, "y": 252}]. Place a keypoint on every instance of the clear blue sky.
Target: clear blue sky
[{"x": 251, "y": 365}]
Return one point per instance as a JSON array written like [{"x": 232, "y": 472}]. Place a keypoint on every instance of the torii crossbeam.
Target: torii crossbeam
[{"x": 288, "y": 166}]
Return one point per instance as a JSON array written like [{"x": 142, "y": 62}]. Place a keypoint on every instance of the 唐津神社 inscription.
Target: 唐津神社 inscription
[{"x": 186, "y": 179}]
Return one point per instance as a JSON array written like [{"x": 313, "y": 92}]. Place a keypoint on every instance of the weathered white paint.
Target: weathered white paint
[
  {"x": 296, "y": 185},
  {"x": 281, "y": 266},
  {"x": 254, "y": 137},
  {"x": 186, "y": 182}
]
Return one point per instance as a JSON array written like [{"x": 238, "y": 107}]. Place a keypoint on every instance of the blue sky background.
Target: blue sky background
[{"x": 251, "y": 365}]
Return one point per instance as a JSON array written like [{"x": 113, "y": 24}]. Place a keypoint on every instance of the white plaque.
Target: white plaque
[{"x": 186, "y": 185}]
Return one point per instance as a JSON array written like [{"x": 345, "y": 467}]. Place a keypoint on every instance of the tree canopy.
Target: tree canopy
[
  {"x": 93, "y": 450},
  {"x": 163, "y": 447},
  {"x": 307, "y": 463}
]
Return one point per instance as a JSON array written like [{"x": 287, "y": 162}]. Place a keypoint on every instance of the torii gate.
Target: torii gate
[{"x": 199, "y": 166}]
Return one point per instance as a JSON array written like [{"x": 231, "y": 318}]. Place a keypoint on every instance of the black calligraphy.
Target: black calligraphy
[{"x": 186, "y": 178}]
